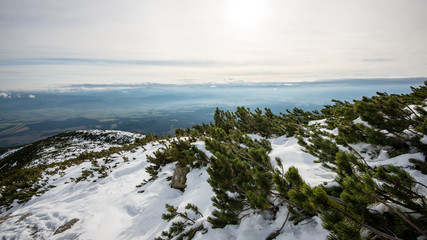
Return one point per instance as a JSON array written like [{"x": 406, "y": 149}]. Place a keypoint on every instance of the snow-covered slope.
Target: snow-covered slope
[
  {"x": 69, "y": 145},
  {"x": 114, "y": 208},
  {"x": 113, "y": 204}
]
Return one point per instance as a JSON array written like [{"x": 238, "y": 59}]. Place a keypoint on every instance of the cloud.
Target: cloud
[
  {"x": 350, "y": 82},
  {"x": 367, "y": 81},
  {"x": 379, "y": 60},
  {"x": 48, "y": 43},
  {"x": 95, "y": 61}
]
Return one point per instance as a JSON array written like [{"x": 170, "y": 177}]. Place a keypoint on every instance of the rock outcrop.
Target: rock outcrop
[{"x": 179, "y": 177}]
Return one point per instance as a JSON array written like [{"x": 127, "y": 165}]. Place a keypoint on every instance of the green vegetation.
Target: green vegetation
[
  {"x": 393, "y": 123},
  {"x": 183, "y": 229},
  {"x": 180, "y": 151},
  {"x": 244, "y": 180},
  {"x": 20, "y": 181},
  {"x": 264, "y": 123},
  {"x": 240, "y": 176}
]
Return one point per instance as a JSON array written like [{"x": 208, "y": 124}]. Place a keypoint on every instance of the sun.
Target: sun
[{"x": 246, "y": 13}]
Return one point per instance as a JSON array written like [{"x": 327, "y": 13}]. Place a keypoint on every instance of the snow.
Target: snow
[
  {"x": 113, "y": 134},
  {"x": 289, "y": 151},
  {"x": 114, "y": 208},
  {"x": 321, "y": 122},
  {"x": 68, "y": 148},
  {"x": 413, "y": 110},
  {"x": 10, "y": 152},
  {"x": 256, "y": 227},
  {"x": 360, "y": 121},
  {"x": 403, "y": 161},
  {"x": 255, "y": 136},
  {"x": 400, "y": 161}
]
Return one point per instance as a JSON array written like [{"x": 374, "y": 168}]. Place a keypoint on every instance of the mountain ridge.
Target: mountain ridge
[{"x": 329, "y": 174}]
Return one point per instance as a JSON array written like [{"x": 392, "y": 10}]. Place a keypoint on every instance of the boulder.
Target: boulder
[{"x": 179, "y": 177}]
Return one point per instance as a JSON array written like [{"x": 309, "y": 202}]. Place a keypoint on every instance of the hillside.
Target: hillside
[{"x": 351, "y": 171}]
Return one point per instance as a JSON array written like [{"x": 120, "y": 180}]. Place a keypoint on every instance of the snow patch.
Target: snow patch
[
  {"x": 360, "y": 121},
  {"x": 321, "y": 122},
  {"x": 290, "y": 153}
]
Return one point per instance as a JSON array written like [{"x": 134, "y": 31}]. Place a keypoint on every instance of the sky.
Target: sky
[{"x": 49, "y": 43}]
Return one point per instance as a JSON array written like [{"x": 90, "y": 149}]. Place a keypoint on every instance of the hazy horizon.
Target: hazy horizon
[
  {"x": 63, "y": 88},
  {"x": 160, "y": 109}
]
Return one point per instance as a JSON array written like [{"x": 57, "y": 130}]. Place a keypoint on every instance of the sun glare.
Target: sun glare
[{"x": 246, "y": 13}]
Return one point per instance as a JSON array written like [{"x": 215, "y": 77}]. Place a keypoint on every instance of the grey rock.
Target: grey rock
[
  {"x": 179, "y": 177},
  {"x": 66, "y": 226}
]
